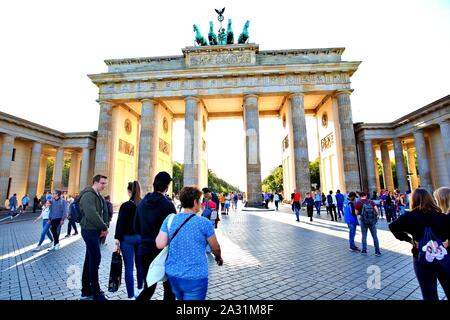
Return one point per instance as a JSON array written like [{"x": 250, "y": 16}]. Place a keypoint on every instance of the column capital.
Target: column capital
[
  {"x": 192, "y": 98},
  {"x": 293, "y": 94},
  {"x": 148, "y": 100},
  {"x": 341, "y": 92},
  {"x": 251, "y": 95}
]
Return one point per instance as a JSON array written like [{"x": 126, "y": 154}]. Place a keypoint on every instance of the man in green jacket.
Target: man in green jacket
[{"x": 94, "y": 226}]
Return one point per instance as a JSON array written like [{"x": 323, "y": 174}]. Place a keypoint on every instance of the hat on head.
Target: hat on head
[{"x": 163, "y": 177}]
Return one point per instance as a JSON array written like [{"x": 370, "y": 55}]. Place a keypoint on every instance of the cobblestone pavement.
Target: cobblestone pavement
[{"x": 267, "y": 255}]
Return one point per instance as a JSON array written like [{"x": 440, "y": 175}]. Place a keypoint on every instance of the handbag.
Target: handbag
[
  {"x": 157, "y": 270},
  {"x": 115, "y": 273}
]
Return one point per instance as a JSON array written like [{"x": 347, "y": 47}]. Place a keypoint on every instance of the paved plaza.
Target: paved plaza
[{"x": 267, "y": 255}]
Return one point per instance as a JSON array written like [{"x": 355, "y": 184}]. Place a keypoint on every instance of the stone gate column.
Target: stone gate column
[
  {"x": 5, "y": 166},
  {"x": 351, "y": 169},
  {"x": 375, "y": 166},
  {"x": 253, "y": 162},
  {"x": 58, "y": 169},
  {"x": 85, "y": 180},
  {"x": 301, "y": 158},
  {"x": 400, "y": 165},
  {"x": 103, "y": 146},
  {"x": 35, "y": 165},
  {"x": 147, "y": 145},
  {"x": 445, "y": 138},
  {"x": 74, "y": 175},
  {"x": 412, "y": 166},
  {"x": 422, "y": 159},
  {"x": 192, "y": 142},
  {"x": 387, "y": 170},
  {"x": 368, "y": 153}
]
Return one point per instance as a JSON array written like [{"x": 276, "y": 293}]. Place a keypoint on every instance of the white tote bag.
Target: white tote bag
[{"x": 157, "y": 270}]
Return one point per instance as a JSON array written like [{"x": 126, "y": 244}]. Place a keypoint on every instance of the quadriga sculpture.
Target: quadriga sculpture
[
  {"x": 230, "y": 35},
  {"x": 199, "y": 39},
  {"x": 243, "y": 37},
  {"x": 211, "y": 35}
]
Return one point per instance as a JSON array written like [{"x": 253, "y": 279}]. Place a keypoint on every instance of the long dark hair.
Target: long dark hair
[
  {"x": 422, "y": 200},
  {"x": 135, "y": 190}
]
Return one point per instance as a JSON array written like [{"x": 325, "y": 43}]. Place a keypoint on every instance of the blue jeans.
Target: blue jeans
[
  {"x": 380, "y": 208},
  {"x": 352, "y": 234},
  {"x": 401, "y": 210},
  {"x": 373, "y": 232},
  {"x": 45, "y": 231},
  {"x": 340, "y": 209},
  {"x": 185, "y": 289},
  {"x": 129, "y": 247},
  {"x": 89, "y": 280},
  {"x": 318, "y": 205}
]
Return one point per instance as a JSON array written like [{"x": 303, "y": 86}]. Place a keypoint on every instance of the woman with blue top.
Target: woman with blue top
[
  {"x": 318, "y": 202},
  {"x": 187, "y": 263},
  {"x": 351, "y": 220}
]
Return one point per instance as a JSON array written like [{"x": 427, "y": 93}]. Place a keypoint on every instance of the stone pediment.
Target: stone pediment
[{"x": 221, "y": 56}]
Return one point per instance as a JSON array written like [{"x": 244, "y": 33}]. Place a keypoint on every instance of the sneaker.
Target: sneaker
[
  {"x": 378, "y": 253},
  {"x": 100, "y": 297},
  {"x": 74, "y": 234},
  {"x": 38, "y": 248},
  {"x": 57, "y": 247},
  {"x": 86, "y": 297},
  {"x": 67, "y": 235},
  {"x": 354, "y": 249},
  {"x": 52, "y": 248},
  {"x": 364, "y": 252}
]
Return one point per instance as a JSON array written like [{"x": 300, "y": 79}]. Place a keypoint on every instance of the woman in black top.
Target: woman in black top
[
  {"x": 425, "y": 213},
  {"x": 127, "y": 241}
]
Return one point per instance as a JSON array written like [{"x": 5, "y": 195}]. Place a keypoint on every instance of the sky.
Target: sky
[{"x": 49, "y": 47}]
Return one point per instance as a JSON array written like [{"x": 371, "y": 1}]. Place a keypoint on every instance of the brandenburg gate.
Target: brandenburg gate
[{"x": 141, "y": 97}]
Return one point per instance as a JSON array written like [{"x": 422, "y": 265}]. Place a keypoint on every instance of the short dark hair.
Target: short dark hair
[
  {"x": 98, "y": 177},
  {"x": 58, "y": 192},
  {"x": 352, "y": 194},
  {"x": 107, "y": 198},
  {"x": 188, "y": 195},
  {"x": 338, "y": 191},
  {"x": 362, "y": 194},
  {"x": 160, "y": 186}
]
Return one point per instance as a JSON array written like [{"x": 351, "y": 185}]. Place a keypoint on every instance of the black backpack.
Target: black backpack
[
  {"x": 75, "y": 212},
  {"x": 329, "y": 199},
  {"x": 368, "y": 214}
]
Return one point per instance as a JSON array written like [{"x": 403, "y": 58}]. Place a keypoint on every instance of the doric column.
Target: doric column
[
  {"x": 147, "y": 145},
  {"x": 412, "y": 166},
  {"x": 58, "y": 169},
  {"x": 35, "y": 165},
  {"x": 375, "y": 166},
  {"x": 252, "y": 153},
  {"x": 5, "y": 166},
  {"x": 103, "y": 146},
  {"x": 42, "y": 175},
  {"x": 74, "y": 175},
  {"x": 387, "y": 170},
  {"x": 192, "y": 142},
  {"x": 445, "y": 138},
  {"x": 301, "y": 159},
  {"x": 400, "y": 165},
  {"x": 351, "y": 169},
  {"x": 85, "y": 180},
  {"x": 369, "y": 155},
  {"x": 422, "y": 159}
]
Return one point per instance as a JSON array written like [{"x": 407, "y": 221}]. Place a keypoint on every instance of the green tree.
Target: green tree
[
  {"x": 214, "y": 182},
  {"x": 274, "y": 181},
  {"x": 49, "y": 173},
  {"x": 314, "y": 171},
  {"x": 66, "y": 173}
]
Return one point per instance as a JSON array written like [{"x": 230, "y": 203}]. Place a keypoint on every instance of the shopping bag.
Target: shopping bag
[{"x": 115, "y": 273}]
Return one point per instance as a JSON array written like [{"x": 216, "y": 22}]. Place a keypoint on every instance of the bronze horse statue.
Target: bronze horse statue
[
  {"x": 230, "y": 35},
  {"x": 199, "y": 39},
  {"x": 243, "y": 37},
  {"x": 211, "y": 35}
]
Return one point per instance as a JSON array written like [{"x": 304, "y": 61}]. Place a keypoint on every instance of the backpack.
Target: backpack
[
  {"x": 431, "y": 250},
  {"x": 75, "y": 212},
  {"x": 329, "y": 199},
  {"x": 368, "y": 214},
  {"x": 207, "y": 211}
]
